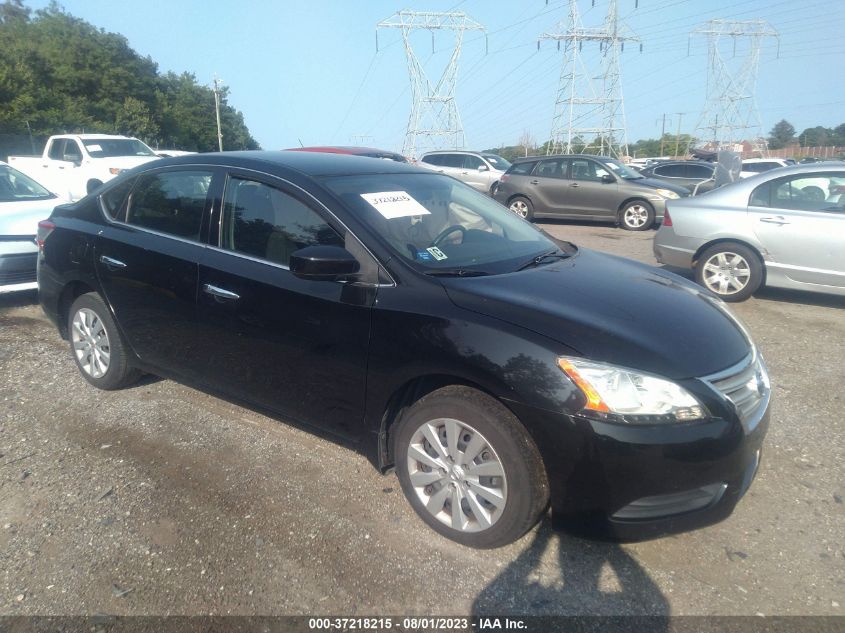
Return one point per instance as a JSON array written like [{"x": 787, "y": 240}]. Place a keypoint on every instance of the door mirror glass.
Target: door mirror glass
[
  {"x": 607, "y": 179},
  {"x": 483, "y": 168},
  {"x": 323, "y": 263}
]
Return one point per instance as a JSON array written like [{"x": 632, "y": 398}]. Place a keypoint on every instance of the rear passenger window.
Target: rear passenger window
[
  {"x": 114, "y": 200},
  {"x": 171, "y": 202},
  {"x": 472, "y": 162},
  {"x": 699, "y": 171},
  {"x": 452, "y": 160},
  {"x": 262, "y": 221},
  {"x": 434, "y": 159},
  {"x": 521, "y": 169},
  {"x": 671, "y": 171}
]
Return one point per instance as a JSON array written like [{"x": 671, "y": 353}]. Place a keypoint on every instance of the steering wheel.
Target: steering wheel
[{"x": 448, "y": 231}]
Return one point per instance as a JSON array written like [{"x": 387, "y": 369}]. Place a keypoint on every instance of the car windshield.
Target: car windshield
[
  {"x": 497, "y": 161},
  {"x": 111, "y": 147},
  {"x": 621, "y": 170},
  {"x": 17, "y": 187},
  {"x": 439, "y": 224}
]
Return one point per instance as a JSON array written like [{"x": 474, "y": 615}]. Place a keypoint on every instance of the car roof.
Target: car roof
[
  {"x": 763, "y": 160},
  {"x": 455, "y": 151},
  {"x": 534, "y": 158},
  {"x": 341, "y": 149},
  {"x": 306, "y": 163}
]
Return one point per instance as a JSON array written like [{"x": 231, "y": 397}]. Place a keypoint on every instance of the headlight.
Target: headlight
[
  {"x": 666, "y": 193},
  {"x": 622, "y": 395}
]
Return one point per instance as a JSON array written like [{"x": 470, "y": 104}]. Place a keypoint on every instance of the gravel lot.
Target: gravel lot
[{"x": 160, "y": 499}]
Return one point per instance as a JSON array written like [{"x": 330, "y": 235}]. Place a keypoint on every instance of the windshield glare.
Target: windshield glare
[
  {"x": 497, "y": 161},
  {"x": 16, "y": 187},
  {"x": 111, "y": 147},
  {"x": 622, "y": 171},
  {"x": 436, "y": 222}
]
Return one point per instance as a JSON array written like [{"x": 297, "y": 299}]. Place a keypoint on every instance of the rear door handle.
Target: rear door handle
[
  {"x": 534, "y": 182},
  {"x": 112, "y": 263},
  {"x": 775, "y": 220},
  {"x": 222, "y": 293}
]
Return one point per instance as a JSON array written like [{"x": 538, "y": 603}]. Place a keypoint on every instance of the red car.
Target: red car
[{"x": 353, "y": 151}]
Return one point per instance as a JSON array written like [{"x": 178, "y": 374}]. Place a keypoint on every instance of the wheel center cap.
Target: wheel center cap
[{"x": 456, "y": 473}]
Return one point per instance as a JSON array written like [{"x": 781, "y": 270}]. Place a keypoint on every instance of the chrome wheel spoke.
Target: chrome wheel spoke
[
  {"x": 419, "y": 455},
  {"x": 421, "y": 478},
  {"x": 438, "y": 500},
  {"x": 431, "y": 435},
  {"x": 472, "y": 449},
  {"x": 486, "y": 469},
  {"x": 453, "y": 434},
  {"x": 479, "y": 512},
  {"x": 459, "y": 520},
  {"x": 484, "y": 492}
]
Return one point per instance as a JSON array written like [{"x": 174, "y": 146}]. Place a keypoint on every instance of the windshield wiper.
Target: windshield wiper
[
  {"x": 539, "y": 259},
  {"x": 456, "y": 272}
]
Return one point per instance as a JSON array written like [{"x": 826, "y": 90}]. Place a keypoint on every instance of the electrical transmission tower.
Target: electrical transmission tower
[
  {"x": 434, "y": 122},
  {"x": 586, "y": 115},
  {"x": 730, "y": 113}
]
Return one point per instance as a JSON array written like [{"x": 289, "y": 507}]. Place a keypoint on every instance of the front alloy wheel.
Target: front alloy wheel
[
  {"x": 457, "y": 475},
  {"x": 469, "y": 468},
  {"x": 637, "y": 216}
]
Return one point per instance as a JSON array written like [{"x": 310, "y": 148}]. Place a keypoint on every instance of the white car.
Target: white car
[
  {"x": 754, "y": 166},
  {"x": 23, "y": 203}
]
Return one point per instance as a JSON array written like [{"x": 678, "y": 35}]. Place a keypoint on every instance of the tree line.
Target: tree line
[
  {"x": 60, "y": 74},
  {"x": 783, "y": 135}
]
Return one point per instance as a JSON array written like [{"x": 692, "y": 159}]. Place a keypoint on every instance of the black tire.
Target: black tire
[
  {"x": 118, "y": 373},
  {"x": 636, "y": 215},
  {"x": 738, "y": 263},
  {"x": 92, "y": 185},
  {"x": 521, "y": 206},
  {"x": 503, "y": 440}
]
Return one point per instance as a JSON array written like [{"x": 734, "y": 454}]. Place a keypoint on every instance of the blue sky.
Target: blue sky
[{"x": 308, "y": 70}]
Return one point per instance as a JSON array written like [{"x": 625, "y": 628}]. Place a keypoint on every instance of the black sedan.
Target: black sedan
[
  {"x": 695, "y": 175},
  {"x": 497, "y": 370}
]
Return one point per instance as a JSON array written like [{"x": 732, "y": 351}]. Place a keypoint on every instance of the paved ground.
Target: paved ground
[{"x": 163, "y": 500}]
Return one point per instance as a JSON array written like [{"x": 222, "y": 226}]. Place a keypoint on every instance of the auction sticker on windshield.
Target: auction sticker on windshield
[{"x": 394, "y": 204}]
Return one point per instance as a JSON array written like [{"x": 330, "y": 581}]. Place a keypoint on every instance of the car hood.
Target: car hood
[
  {"x": 22, "y": 218},
  {"x": 655, "y": 183},
  {"x": 613, "y": 310}
]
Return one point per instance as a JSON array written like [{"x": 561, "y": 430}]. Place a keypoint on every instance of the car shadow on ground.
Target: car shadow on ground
[
  {"x": 591, "y": 577},
  {"x": 801, "y": 296}
]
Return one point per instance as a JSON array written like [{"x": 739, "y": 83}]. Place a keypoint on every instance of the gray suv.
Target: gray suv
[
  {"x": 582, "y": 187},
  {"x": 480, "y": 170}
]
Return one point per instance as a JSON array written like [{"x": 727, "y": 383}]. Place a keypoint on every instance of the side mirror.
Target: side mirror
[
  {"x": 483, "y": 168},
  {"x": 608, "y": 179},
  {"x": 323, "y": 263}
]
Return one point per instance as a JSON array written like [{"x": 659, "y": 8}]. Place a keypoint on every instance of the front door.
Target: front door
[
  {"x": 588, "y": 193},
  {"x": 296, "y": 346},
  {"x": 147, "y": 263}
]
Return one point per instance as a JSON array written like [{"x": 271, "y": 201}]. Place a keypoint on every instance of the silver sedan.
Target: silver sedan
[{"x": 783, "y": 228}]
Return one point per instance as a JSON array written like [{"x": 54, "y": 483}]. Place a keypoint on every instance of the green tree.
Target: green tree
[
  {"x": 782, "y": 134},
  {"x": 816, "y": 136}
]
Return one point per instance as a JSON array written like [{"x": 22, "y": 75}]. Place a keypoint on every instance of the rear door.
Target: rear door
[
  {"x": 296, "y": 346},
  {"x": 804, "y": 236},
  {"x": 147, "y": 260},
  {"x": 548, "y": 187}
]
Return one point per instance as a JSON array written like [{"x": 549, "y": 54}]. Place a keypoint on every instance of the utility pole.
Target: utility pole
[
  {"x": 678, "y": 135},
  {"x": 662, "y": 133},
  {"x": 730, "y": 110},
  {"x": 217, "y": 83},
  {"x": 582, "y": 109},
  {"x": 434, "y": 122}
]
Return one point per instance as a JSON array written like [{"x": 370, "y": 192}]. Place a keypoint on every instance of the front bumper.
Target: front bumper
[{"x": 633, "y": 482}]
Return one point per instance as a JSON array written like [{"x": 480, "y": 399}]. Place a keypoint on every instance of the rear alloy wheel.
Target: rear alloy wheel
[
  {"x": 522, "y": 207},
  {"x": 730, "y": 270},
  {"x": 96, "y": 344},
  {"x": 637, "y": 216},
  {"x": 469, "y": 468}
]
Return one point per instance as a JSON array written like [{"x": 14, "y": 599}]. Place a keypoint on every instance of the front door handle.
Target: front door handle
[
  {"x": 775, "y": 220},
  {"x": 534, "y": 182},
  {"x": 222, "y": 293},
  {"x": 574, "y": 184},
  {"x": 112, "y": 263}
]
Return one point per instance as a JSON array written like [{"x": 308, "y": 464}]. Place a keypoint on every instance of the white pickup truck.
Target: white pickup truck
[{"x": 73, "y": 165}]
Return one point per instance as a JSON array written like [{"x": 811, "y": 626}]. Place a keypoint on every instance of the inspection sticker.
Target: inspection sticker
[
  {"x": 394, "y": 204},
  {"x": 436, "y": 253}
]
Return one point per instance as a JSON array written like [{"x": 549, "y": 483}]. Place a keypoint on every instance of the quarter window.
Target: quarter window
[
  {"x": 521, "y": 169},
  {"x": 671, "y": 171},
  {"x": 262, "y": 221},
  {"x": 171, "y": 202},
  {"x": 114, "y": 200}
]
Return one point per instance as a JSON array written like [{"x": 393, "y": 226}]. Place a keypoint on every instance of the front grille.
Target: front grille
[
  {"x": 23, "y": 277},
  {"x": 746, "y": 386}
]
